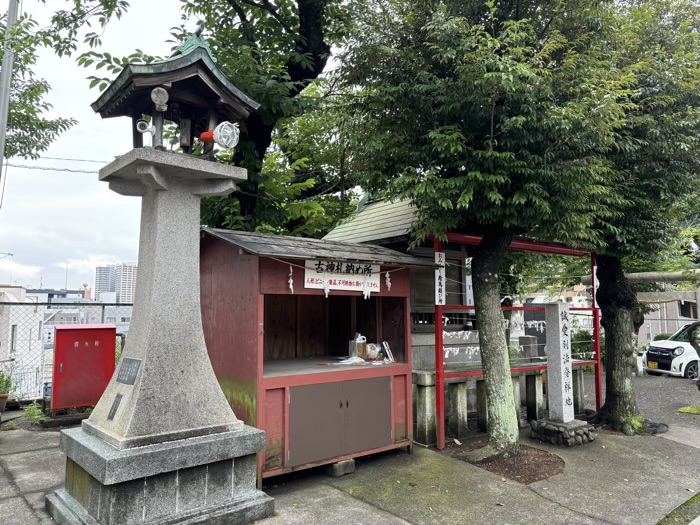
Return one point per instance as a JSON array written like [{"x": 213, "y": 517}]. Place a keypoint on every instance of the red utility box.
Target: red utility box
[{"x": 83, "y": 363}]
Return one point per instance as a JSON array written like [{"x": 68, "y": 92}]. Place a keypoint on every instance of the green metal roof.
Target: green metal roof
[
  {"x": 376, "y": 221},
  {"x": 193, "y": 79}
]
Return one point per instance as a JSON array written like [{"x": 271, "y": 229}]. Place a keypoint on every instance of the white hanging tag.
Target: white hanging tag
[
  {"x": 387, "y": 281},
  {"x": 291, "y": 278},
  {"x": 366, "y": 291}
]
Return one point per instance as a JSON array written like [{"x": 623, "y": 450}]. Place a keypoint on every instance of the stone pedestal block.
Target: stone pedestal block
[
  {"x": 457, "y": 416},
  {"x": 425, "y": 432},
  {"x": 522, "y": 386},
  {"x": 535, "y": 397},
  {"x": 579, "y": 407},
  {"x": 481, "y": 406},
  {"x": 471, "y": 397},
  {"x": 529, "y": 344},
  {"x": 570, "y": 434},
  {"x": 516, "y": 396},
  {"x": 207, "y": 479},
  {"x": 341, "y": 468}
]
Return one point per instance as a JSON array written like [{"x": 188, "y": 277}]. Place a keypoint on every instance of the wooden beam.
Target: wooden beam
[
  {"x": 665, "y": 297},
  {"x": 655, "y": 277}
]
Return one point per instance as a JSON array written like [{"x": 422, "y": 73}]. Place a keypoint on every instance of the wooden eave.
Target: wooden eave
[{"x": 297, "y": 248}]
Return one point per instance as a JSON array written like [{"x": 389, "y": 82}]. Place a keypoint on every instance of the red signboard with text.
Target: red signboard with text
[{"x": 83, "y": 364}]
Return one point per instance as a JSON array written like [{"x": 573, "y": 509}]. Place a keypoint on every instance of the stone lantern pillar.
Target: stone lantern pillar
[{"x": 163, "y": 445}]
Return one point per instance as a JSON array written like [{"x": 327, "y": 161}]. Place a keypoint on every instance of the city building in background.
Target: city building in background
[
  {"x": 119, "y": 279},
  {"x": 48, "y": 295}
]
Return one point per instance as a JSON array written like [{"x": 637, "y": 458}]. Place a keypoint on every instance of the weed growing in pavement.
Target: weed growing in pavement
[{"x": 34, "y": 414}]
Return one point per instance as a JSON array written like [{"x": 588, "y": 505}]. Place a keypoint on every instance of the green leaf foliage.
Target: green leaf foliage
[
  {"x": 29, "y": 130},
  {"x": 489, "y": 122},
  {"x": 657, "y": 151},
  {"x": 275, "y": 52}
]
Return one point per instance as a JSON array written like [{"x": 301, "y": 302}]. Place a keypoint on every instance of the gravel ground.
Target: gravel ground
[{"x": 659, "y": 398}]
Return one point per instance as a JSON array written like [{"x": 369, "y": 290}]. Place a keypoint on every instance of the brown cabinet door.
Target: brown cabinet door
[
  {"x": 315, "y": 423},
  {"x": 367, "y": 411}
]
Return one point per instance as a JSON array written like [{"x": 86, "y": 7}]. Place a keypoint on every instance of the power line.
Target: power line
[
  {"x": 76, "y": 160},
  {"x": 48, "y": 168}
]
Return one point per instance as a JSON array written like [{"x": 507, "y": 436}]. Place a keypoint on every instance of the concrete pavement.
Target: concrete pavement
[
  {"x": 615, "y": 480},
  {"x": 30, "y": 467}
]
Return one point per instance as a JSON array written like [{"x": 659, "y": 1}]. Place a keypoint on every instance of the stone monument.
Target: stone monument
[
  {"x": 163, "y": 446},
  {"x": 561, "y": 428}
]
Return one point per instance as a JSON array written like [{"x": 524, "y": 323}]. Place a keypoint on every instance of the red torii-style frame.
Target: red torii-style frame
[{"x": 527, "y": 246}]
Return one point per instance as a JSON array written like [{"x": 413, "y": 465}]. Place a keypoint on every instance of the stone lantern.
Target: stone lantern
[{"x": 163, "y": 445}]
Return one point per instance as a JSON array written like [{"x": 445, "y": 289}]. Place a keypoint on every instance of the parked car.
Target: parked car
[{"x": 674, "y": 356}]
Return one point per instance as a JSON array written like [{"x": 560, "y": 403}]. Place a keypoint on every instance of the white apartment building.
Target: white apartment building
[
  {"x": 117, "y": 278},
  {"x": 104, "y": 280}
]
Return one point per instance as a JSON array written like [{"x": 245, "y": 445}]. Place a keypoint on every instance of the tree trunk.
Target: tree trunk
[
  {"x": 260, "y": 125},
  {"x": 617, "y": 299},
  {"x": 637, "y": 322},
  {"x": 486, "y": 267},
  {"x": 508, "y": 317}
]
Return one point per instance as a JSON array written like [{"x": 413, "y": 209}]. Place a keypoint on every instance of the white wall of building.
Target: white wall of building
[{"x": 21, "y": 341}]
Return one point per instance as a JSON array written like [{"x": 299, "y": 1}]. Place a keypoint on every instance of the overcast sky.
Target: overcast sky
[{"x": 52, "y": 219}]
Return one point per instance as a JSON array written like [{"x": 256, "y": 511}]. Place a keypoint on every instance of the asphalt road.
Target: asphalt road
[{"x": 658, "y": 398}]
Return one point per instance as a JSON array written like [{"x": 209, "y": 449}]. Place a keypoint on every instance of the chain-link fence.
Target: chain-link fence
[{"x": 27, "y": 338}]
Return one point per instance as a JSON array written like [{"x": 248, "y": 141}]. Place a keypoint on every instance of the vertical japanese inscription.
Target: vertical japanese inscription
[
  {"x": 115, "y": 407},
  {"x": 128, "y": 370},
  {"x": 566, "y": 356},
  {"x": 559, "y": 376},
  {"x": 440, "y": 293}
]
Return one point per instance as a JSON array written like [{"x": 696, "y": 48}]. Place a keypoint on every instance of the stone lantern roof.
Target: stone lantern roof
[{"x": 199, "y": 92}]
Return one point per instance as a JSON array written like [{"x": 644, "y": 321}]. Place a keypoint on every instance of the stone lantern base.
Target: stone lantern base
[
  {"x": 208, "y": 479},
  {"x": 573, "y": 433}
]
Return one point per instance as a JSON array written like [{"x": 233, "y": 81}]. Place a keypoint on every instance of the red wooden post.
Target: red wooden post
[
  {"x": 439, "y": 369},
  {"x": 596, "y": 340}
]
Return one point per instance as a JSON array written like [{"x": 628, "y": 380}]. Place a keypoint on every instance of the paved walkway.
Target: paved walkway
[{"x": 615, "y": 480}]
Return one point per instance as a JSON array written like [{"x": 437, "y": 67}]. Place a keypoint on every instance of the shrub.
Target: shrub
[
  {"x": 34, "y": 414},
  {"x": 5, "y": 383}
]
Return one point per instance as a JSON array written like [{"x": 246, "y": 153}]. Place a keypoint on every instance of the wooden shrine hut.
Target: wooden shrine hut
[{"x": 278, "y": 314}]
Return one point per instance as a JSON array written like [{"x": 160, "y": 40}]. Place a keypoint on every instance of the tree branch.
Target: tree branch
[
  {"x": 239, "y": 11},
  {"x": 311, "y": 41},
  {"x": 267, "y": 6}
]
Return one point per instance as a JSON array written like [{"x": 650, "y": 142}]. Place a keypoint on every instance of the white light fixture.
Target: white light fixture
[{"x": 225, "y": 135}]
